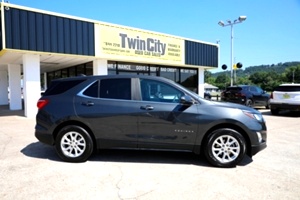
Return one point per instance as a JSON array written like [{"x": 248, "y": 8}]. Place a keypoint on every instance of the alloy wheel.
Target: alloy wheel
[
  {"x": 73, "y": 144},
  {"x": 226, "y": 148}
]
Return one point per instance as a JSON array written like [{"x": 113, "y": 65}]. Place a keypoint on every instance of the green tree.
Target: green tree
[
  {"x": 243, "y": 80},
  {"x": 222, "y": 81},
  {"x": 207, "y": 75},
  {"x": 266, "y": 80},
  {"x": 292, "y": 74}
]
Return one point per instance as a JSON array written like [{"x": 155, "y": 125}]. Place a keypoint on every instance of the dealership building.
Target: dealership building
[{"x": 37, "y": 46}]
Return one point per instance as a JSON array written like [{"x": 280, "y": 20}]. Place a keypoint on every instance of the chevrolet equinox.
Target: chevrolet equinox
[{"x": 81, "y": 114}]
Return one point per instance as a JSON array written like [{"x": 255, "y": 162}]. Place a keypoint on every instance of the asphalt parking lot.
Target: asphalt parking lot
[{"x": 31, "y": 170}]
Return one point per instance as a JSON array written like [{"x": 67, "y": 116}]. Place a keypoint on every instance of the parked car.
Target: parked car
[
  {"x": 285, "y": 97},
  {"x": 80, "y": 114},
  {"x": 207, "y": 95},
  {"x": 248, "y": 95}
]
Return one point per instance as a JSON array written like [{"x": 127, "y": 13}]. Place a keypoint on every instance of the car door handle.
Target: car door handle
[
  {"x": 89, "y": 103},
  {"x": 147, "y": 107}
]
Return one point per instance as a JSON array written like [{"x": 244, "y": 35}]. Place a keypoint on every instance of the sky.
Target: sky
[{"x": 269, "y": 35}]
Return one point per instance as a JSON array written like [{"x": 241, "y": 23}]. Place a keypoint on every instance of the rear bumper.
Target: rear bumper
[
  {"x": 238, "y": 101},
  {"x": 284, "y": 106},
  {"x": 44, "y": 137}
]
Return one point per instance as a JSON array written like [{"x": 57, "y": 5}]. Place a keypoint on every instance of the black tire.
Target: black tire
[
  {"x": 249, "y": 103},
  {"x": 74, "y": 144},
  {"x": 225, "y": 148},
  {"x": 268, "y": 104},
  {"x": 207, "y": 97},
  {"x": 274, "y": 111}
]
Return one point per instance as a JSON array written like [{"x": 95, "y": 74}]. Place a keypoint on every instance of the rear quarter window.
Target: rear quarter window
[
  {"x": 288, "y": 89},
  {"x": 59, "y": 87},
  {"x": 234, "y": 89}
]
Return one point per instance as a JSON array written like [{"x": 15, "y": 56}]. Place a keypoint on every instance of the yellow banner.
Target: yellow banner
[{"x": 135, "y": 45}]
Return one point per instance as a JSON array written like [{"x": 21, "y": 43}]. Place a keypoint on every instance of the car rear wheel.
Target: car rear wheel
[
  {"x": 249, "y": 103},
  {"x": 268, "y": 104},
  {"x": 74, "y": 144},
  {"x": 225, "y": 148}
]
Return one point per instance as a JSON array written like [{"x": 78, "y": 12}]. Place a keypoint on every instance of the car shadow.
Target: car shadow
[
  {"x": 281, "y": 113},
  {"x": 158, "y": 157},
  {"x": 42, "y": 151}
]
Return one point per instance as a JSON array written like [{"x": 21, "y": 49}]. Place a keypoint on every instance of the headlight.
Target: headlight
[
  {"x": 256, "y": 116},
  {"x": 259, "y": 117}
]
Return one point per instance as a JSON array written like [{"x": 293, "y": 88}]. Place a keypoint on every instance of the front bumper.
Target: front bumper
[
  {"x": 257, "y": 148},
  {"x": 260, "y": 144}
]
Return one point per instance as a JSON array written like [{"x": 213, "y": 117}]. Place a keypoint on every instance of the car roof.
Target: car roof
[
  {"x": 290, "y": 84},
  {"x": 111, "y": 76},
  {"x": 238, "y": 86}
]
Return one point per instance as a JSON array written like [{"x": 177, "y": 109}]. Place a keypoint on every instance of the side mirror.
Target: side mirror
[{"x": 186, "y": 100}]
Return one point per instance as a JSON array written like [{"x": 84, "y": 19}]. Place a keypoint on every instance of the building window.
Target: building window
[
  {"x": 112, "y": 68},
  {"x": 72, "y": 71},
  {"x": 170, "y": 73},
  {"x": 89, "y": 68},
  {"x": 189, "y": 79},
  {"x": 65, "y": 73},
  {"x": 80, "y": 69}
]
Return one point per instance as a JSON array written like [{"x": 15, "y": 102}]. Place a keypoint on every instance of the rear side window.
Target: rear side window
[
  {"x": 58, "y": 87},
  {"x": 288, "y": 88},
  {"x": 115, "y": 88},
  {"x": 93, "y": 90},
  {"x": 234, "y": 89}
]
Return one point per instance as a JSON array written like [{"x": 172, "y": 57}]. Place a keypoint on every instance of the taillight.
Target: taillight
[
  {"x": 240, "y": 95},
  {"x": 42, "y": 103},
  {"x": 271, "y": 96}
]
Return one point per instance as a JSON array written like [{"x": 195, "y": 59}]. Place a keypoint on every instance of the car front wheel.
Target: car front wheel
[
  {"x": 225, "y": 148},
  {"x": 74, "y": 144}
]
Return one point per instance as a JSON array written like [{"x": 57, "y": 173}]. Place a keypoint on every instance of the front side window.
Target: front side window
[
  {"x": 259, "y": 90},
  {"x": 253, "y": 89},
  {"x": 159, "y": 92},
  {"x": 119, "y": 88}
]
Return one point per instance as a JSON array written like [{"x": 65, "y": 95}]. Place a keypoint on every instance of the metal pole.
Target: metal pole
[
  {"x": 234, "y": 72},
  {"x": 231, "y": 75},
  {"x": 230, "y": 23}
]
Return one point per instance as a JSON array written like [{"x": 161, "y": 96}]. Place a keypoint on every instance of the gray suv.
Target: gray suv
[{"x": 81, "y": 114}]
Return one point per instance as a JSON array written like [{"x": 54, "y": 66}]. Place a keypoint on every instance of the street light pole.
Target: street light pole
[
  {"x": 231, "y": 59},
  {"x": 230, "y": 23}
]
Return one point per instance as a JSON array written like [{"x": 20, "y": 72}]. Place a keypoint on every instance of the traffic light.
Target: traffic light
[
  {"x": 239, "y": 65},
  {"x": 224, "y": 67},
  {"x": 234, "y": 66}
]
